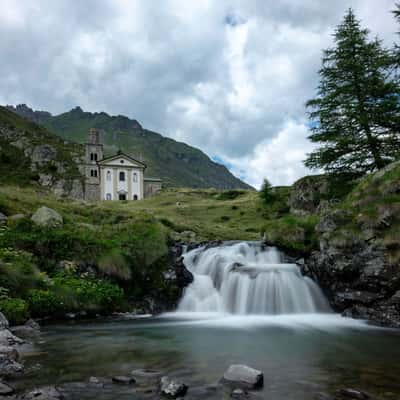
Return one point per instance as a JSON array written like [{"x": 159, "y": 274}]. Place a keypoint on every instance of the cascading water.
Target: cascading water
[{"x": 248, "y": 278}]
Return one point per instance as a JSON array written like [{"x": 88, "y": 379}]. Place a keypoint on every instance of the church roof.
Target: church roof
[{"x": 123, "y": 155}]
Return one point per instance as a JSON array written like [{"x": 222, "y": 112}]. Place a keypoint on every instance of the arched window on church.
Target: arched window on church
[
  {"x": 91, "y": 156},
  {"x": 134, "y": 177},
  {"x": 109, "y": 175},
  {"x": 135, "y": 197},
  {"x": 93, "y": 173},
  {"x": 95, "y": 156},
  {"x": 122, "y": 176},
  {"x": 108, "y": 196}
]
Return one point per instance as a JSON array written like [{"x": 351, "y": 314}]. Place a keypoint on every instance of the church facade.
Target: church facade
[{"x": 119, "y": 177}]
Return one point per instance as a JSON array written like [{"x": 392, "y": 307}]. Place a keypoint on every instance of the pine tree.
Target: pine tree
[
  {"x": 356, "y": 114},
  {"x": 265, "y": 193}
]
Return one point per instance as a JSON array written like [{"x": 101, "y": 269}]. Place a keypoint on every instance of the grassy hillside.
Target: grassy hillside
[{"x": 178, "y": 164}]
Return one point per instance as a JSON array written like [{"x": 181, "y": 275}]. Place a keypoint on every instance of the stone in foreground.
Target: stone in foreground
[
  {"x": 124, "y": 380},
  {"x": 171, "y": 388},
  {"x": 44, "y": 393},
  {"x": 244, "y": 377},
  {"x": 353, "y": 394},
  {"x": 47, "y": 217},
  {"x": 5, "y": 390}
]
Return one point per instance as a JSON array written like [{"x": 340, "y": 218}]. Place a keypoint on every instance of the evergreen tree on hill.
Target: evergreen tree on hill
[{"x": 356, "y": 113}]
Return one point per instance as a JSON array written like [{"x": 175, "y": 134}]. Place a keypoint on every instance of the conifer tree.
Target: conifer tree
[{"x": 355, "y": 116}]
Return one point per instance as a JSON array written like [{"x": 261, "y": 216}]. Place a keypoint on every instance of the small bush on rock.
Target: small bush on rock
[{"x": 15, "y": 310}]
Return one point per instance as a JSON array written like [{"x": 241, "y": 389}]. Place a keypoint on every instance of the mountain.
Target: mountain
[
  {"x": 176, "y": 163},
  {"x": 31, "y": 155}
]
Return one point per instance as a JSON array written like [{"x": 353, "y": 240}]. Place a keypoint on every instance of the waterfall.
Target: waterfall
[{"x": 248, "y": 278}]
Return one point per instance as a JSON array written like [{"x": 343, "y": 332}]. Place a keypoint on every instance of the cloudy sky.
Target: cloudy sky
[{"x": 229, "y": 77}]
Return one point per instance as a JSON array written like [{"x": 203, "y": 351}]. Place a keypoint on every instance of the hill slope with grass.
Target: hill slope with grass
[{"x": 178, "y": 164}]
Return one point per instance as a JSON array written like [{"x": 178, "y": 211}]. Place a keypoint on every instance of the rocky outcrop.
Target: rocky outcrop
[
  {"x": 358, "y": 262},
  {"x": 9, "y": 355},
  {"x": 307, "y": 195},
  {"x": 47, "y": 217}
]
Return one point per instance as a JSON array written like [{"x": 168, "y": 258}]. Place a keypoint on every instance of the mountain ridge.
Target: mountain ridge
[{"x": 176, "y": 163}]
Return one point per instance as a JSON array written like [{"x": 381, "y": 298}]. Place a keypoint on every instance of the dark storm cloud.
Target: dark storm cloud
[{"x": 230, "y": 77}]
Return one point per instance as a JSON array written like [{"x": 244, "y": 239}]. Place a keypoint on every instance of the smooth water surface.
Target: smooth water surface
[{"x": 300, "y": 355}]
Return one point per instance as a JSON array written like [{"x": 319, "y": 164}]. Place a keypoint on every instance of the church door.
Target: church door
[{"x": 122, "y": 196}]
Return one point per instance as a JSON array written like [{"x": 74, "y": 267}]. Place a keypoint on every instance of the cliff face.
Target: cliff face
[
  {"x": 358, "y": 261},
  {"x": 29, "y": 154},
  {"x": 178, "y": 164}
]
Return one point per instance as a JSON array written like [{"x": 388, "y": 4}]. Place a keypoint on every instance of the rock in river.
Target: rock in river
[
  {"x": 44, "y": 393},
  {"x": 243, "y": 376},
  {"x": 171, "y": 388}
]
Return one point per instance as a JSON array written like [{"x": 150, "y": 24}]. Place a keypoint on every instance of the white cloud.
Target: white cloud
[{"x": 279, "y": 160}]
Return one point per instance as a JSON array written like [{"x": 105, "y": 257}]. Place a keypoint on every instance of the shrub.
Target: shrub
[
  {"x": 68, "y": 293},
  {"x": 15, "y": 310},
  {"x": 225, "y": 218},
  {"x": 229, "y": 194},
  {"x": 18, "y": 272},
  {"x": 115, "y": 265}
]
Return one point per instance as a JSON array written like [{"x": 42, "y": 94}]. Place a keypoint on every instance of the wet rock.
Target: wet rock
[
  {"x": 350, "y": 394},
  {"x": 172, "y": 388},
  {"x": 243, "y": 376},
  {"x": 30, "y": 329},
  {"x": 8, "y": 339},
  {"x": 238, "y": 393},
  {"x": 146, "y": 374},
  {"x": 47, "y": 217},
  {"x": 5, "y": 390},
  {"x": 3, "y": 321},
  {"x": 124, "y": 380},
  {"x": 44, "y": 393},
  {"x": 10, "y": 352},
  {"x": 9, "y": 367}
]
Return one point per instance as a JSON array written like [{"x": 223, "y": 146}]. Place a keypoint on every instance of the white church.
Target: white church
[{"x": 119, "y": 177}]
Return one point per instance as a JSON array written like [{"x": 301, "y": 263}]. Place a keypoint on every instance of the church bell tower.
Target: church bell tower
[{"x": 94, "y": 153}]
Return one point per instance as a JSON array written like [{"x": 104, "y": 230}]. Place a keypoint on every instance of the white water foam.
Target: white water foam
[{"x": 248, "y": 278}]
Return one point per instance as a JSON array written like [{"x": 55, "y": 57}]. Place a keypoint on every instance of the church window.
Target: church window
[
  {"x": 91, "y": 156},
  {"x": 122, "y": 176},
  {"x": 134, "y": 177},
  {"x": 95, "y": 156},
  {"x": 109, "y": 175},
  {"x": 108, "y": 196},
  {"x": 93, "y": 173},
  {"x": 135, "y": 197}
]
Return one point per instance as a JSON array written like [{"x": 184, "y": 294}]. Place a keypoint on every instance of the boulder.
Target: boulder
[
  {"x": 5, "y": 390},
  {"x": 10, "y": 352},
  {"x": 8, "y": 339},
  {"x": 171, "y": 388},
  {"x": 242, "y": 376},
  {"x": 47, "y": 217},
  {"x": 146, "y": 374},
  {"x": 9, "y": 367},
  {"x": 350, "y": 394},
  {"x": 124, "y": 380},
  {"x": 44, "y": 393}
]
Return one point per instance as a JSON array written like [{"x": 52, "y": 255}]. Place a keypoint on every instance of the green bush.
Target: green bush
[
  {"x": 18, "y": 272},
  {"x": 230, "y": 194},
  {"x": 15, "y": 310},
  {"x": 68, "y": 293}
]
